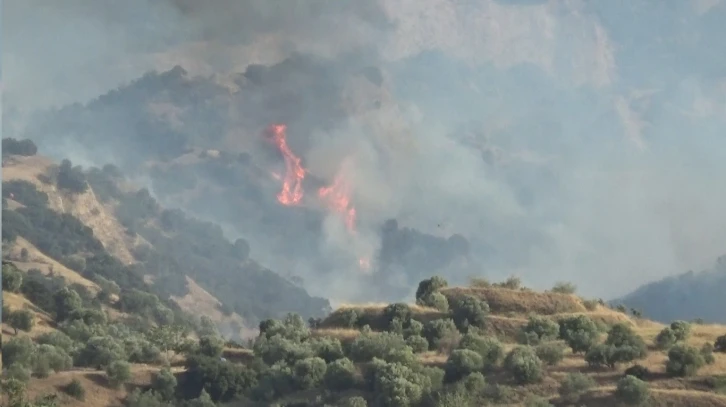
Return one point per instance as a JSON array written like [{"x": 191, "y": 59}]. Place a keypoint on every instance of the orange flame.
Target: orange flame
[
  {"x": 336, "y": 197},
  {"x": 292, "y": 192}
]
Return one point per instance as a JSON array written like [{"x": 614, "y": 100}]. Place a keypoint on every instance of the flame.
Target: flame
[
  {"x": 292, "y": 192},
  {"x": 337, "y": 198}
]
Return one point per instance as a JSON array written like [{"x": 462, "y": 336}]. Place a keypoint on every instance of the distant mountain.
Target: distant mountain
[{"x": 687, "y": 296}]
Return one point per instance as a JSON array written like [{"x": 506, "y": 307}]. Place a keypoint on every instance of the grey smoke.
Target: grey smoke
[{"x": 574, "y": 140}]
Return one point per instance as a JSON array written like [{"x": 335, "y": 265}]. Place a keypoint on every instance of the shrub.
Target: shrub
[
  {"x": 682, "y": 330},
  {"x": 539, "y": 329},
  {"x": 12, "y": 278},
  {"x": 628, "y": 345},
  {"x": 118, "y": 373},
  {"x": 638, "y": 371},
  {"x": 564, "y": 288},
  {"x": 534, "y": 401},
  {"x": 375, "y": 345},
  {"x": 574, "y": 386},
  {"x": 440, "y": 333},
  {"x": 340, "y": 375},
  {"x": 579, "y": 332},
  {"x": 632, "y": 391},
  {"x": 707, "y": 353},
  {"x": 355, "y": 401},
  {"x": 551, "y": 353},
  {"x": 490, "y": 349},
  {"x": 684, "y": 361},
  {"x": 164, "y": 383},
  {"x": 469, "y": 311},
  {"x": 417, "y": 343},
  {"x": 435, "y": 300},
  {"x": 17, "y": 351},
  {"x": 720, "y": 344},
  {"x": 100, "y": 352},
  {"x": 75, "y": 389},
  {"x": 523, "y": 365},
  {"x": 23, "y": 147},
  {"x": 57, "y": 339},
  {"x": 21, "y": 319},
  {"x": 590, "y": 305},
  {"x": 462, "y": 362},
  {"x": 665, "y": 338},
  {"x": 329, "y": 349},
  {"x": 309, "y": 373},
  {"x": 428, "y": 287},
  {"x": 348, "y": 317},
  {"x": 400, "y": 311},
  {"x": 398, "y": 385}
]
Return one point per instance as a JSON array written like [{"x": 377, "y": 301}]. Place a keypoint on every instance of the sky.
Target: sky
[{"x": 607, "y": 116}]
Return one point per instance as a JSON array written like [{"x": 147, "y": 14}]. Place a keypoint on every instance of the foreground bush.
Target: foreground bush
[
  {"x": 632, "y": 391},
  {"x": 523, "y": 365},
  {"x": 574, "y": 386},
  {"x": 684, "y": 361},
  {"x": 75, "y": 389}
]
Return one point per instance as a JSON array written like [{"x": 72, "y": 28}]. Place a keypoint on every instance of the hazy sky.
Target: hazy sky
[{"x": 610, "y": 114}]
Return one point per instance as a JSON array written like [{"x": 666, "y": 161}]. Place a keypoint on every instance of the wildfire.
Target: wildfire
[
  {"x": 292, "y": 192},
  {"x": 364, "y": 263},
  {"x": 337, "y": 198}
]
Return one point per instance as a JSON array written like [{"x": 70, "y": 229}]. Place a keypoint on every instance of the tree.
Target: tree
[
  {"x": 462, "y": 362},
  {"x": 100, "y": 352},
  {"x": 17, "y": 350},
  {"x": 468, "y": 311},
  {"x": 164, "y": 383},
  {"x": 523, "y": 365},
  {"x": 681, "y": 329},
  {"x": 207, "y": 327},
  {"x": 574, "y": 386},
  {"x": 211, "y": 346},
  {"x": 579, "y": 332},
  {"x": 720, "y": 344},
  {"x": 564, "y": 288},
  {"x": 425, "y": 293},
  {"x": 632, "y": 391},
  {"x": 665, "y": 338},
  {"x": 551, "y": 353},
  {"x": 539, "y": 329},
  {"x": 67, "y": 301},
  {"x": 490, "y": 349},
  {"x": 118, "y": 372},
  {"x": 340, "y": 375},
  {"x": 309, "y": 373},
  {"x": 12, "y": 278},
  {"x": 75, "y": 389},
  {"x": 21, "y": 319},
  {"x": 683, "y": 361}
]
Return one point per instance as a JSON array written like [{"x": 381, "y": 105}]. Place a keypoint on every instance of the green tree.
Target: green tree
[
  {"x": 539, "y": 329},
  {"x": 490, "y": 349},
  {"x": 118, "y": 372},
  {"x": 468, "y": 311},
  {"x": 579, "y": 332},
  {"x": 462, "y": 362},
  {"x": 12, "y": 278},
  {"x": 164, "y": 383},
  {"x": 340, "y": 375},
  {"x": 100, "y": 352},
  {"x": 720, "y": 344},
  {"x": 67, "y": 301},
  {"x": 574, "y": 386},
  {"x": 523, "y": 365},
  {"x": 683, "y": 361},
  {"x": 17, "y": 350},
  {"x": 21, "y": 319},
  {"x": 551, "y": 353},
  {"x": 632, "y": 391},
  {"x": 211, "y": 346},
  {"x": 309, "y": 373},
  {"x": 665, "y": 338},
  {"x": 682, "y": 330}
]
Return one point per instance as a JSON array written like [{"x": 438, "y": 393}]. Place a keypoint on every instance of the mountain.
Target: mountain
[
  {"x": 687, "y": 296},
  {"x": 101, "y": 227}
]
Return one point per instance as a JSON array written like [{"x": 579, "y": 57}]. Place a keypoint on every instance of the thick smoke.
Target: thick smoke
[{"x": 566, "y": 140}]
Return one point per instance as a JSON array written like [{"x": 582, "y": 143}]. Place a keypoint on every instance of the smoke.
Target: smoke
[{"x": 567, "y": 140}]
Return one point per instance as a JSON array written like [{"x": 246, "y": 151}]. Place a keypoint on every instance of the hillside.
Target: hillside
[
  {"x": 106, "y": 228},
  {"x": 483, "y": 344},
  {"x": 686, "y": 296}
]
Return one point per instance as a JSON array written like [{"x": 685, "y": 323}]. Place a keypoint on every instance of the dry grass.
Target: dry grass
[
  {"x": 200, "y": 302},
  {"x": 43, "y": 322},
  {"x": 506, "y": 301},
  {"x": 83, "y": 206},
  {"x": 38, "y": 260}
]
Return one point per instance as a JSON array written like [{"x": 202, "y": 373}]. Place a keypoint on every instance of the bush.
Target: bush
[
  {"x": 398, "y": 385},
  {"x": 579, "y": 332},
  {"x": 340, "y": 375},
  {"x": 665, "y": 338},
  {"x": 17, "y": 351},
  {"x": 21, "y": 319},
  {"x": 12, "y": 278},
  {"x": 355, "y": 401},
  {"x": 211, "y": 346},
  {"x": 681, "y": 329},
  {"x": 428, "y": 287},
  {"x": 551, "y": 353},
  {"x": 100, "y": 352},
  {"x": 627, "y": 345},
  {"x": 349, "y": 317},
  {"x": 417, "y": 343},
  {"x": 707, "y": 353},
  {"x": 638, "y": 371},
  {"x": 329, "y": 349},
  {"x": 590, "y": 305},
  {"x": 462, "y": 362},
  {"x": 632, "y": 391},
  {"x": 440, "y": 333},
  {"x": 435, "y": 300},
  {"x": 539, "y": 329},
  {"x": 469, "y": 311},
  {"x": 75, "y": 389},
  {"x": 684, "y": 361},
  {"x": 164, "y": 383},
  {"x": 720, "y": 344},
  {"x": 375, "y": 345},
  {"x": 118, "y": 373},
  {"x": 490, "y": 349},
  {"x": 309, "y": 373},
  {"x": 574, "y": 386},
  {"x": 523, "y": 365},
  {"x": 564, "y": 288},
  {"x": 534, "y": 401}
]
